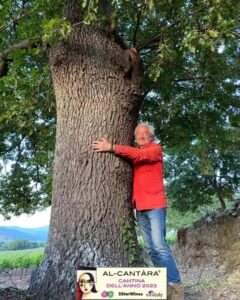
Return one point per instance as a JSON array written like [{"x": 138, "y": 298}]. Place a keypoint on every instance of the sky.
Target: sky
[{"x": 39, "y": 219}]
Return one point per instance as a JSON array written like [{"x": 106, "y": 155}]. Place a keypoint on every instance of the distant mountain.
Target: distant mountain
[{"x": 8, "y": 233}]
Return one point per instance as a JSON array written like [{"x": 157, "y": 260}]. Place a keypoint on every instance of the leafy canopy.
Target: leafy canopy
[{"x": 190, "y": 52}]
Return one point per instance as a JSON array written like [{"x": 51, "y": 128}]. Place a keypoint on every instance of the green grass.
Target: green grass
[{"x": 21, "y": 259}]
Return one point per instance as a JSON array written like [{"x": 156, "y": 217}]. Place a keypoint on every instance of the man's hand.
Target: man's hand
[{"x": 102, "y": 145}]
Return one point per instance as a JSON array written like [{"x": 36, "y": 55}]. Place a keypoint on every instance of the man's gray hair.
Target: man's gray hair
[{"x": 150, "y": 128}]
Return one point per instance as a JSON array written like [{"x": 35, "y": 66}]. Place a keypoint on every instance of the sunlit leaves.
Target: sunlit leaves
[
  {"x": 90, "y": 8},
  {"x": 56, "y": 30},
  {"x": 164, "y": 54},
  {"x": 190, "y": 54},
  {"x": 27, "y": 133}
]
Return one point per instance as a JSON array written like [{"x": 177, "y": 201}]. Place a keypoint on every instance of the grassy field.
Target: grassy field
[{"x": 21, "y": 259}]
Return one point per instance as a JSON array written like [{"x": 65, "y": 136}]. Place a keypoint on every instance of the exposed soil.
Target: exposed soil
[
  {"x": 13, "y": 294},
  {"x": 226, "y": 287},
  {"x": 17, "y": 278},
  {"x": 14, "y": 284}
]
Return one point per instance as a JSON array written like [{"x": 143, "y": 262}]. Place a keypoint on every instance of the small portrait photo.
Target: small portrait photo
[{"x": 86, "y": 284}]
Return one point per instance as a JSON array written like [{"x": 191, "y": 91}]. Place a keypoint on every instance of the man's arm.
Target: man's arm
[{"x": 146, "y": 155}]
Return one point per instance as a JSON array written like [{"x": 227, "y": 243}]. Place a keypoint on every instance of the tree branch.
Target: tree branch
[
  {"x": 139, "y": 13},
  {"x": 152, "y": 43},
  {"x": 2, "y": 28},
  {"x": 21, "y": 45},
  {"x": 187, "y": 78},
  {"x": 190, "y": 78},
  {"x": 235, "y": 33},
  {"x": 3, "y": 56}
]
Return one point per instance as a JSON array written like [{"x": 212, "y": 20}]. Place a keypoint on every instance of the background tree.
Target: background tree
[
  {"x": 19, "y": 245},
  {"x": 196, "y": 112},
  {"x": 97, "y": 74},
  {"x": 194, "y": 180},
  {"x": 200, "y": 128}
]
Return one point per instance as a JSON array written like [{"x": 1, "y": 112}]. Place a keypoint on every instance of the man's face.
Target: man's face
[
  {"x": 85, "y": 283},
  {"x": 142, "y": 136}
]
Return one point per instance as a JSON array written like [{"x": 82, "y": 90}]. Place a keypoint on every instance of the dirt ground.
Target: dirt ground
[
  {"x": 226, "y": 287},
  {"x": 14, "y": 283},
  {"x": 17, "y": 278}
]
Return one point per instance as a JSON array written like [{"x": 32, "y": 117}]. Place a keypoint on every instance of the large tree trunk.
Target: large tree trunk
[{"x": 97, "y": 87}]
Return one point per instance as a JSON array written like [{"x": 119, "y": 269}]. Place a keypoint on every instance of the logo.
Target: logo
[
  {"x": 106, "y": 294},
  {"x": 154, "y": 294}
]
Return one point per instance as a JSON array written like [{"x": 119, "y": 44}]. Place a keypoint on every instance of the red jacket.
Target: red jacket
[{"x": 148, "y": 186}]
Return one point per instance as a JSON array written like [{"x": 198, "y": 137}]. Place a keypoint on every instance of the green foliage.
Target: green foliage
[
  {"x": 193, "y": 101},
  {"x": 190, "y": 52},
  {"x": 201, "y": 171},
  {"x": 20, "y": 259},
  {"x": 177, "y": 219},
  {"x": 171, "y": 237},
  {"x": 90, "y": 8},
  {"x": 20, "y": 245},
  {"x": 56, "y": 30},
  {"x": 129, "y": 241},
  {"x": 27, "y": 131}
]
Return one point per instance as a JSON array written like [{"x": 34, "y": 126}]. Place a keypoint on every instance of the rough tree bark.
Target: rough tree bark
[
  {"x": 219, "y": 194},
  {"x": 97, "y": 85}
]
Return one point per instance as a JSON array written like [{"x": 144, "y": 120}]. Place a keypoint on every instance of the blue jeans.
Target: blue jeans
[{"x": 153, "y": 226}]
